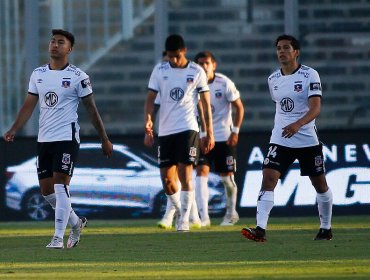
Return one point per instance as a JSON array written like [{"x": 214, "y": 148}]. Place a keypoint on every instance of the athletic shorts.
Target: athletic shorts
[
  {"x": 311, "y": 159},
  {"x": 57, "y": 156},
  {"x": 182, "y": 147},
  {"x": 222, "y": 156}
]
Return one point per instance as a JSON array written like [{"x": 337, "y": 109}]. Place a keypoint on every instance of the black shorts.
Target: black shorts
[
  {"x": 60, "y": 156},
  {"x": 177, "y": 148},
  {"x": 222, "y": 156},
  {"x": 311, "y": 159}
]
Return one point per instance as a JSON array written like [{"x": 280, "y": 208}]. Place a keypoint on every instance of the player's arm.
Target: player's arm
[
  {"x": 238, "y": 107},
  {"x": 314, "y": 108},
  {"x": 149, "y": 109},
  {"x": 97, "y": 122},
  {"x": 23, "y": 116},
  {"x": 202, "y": 123},
  {"x": 207, "y": 113}
]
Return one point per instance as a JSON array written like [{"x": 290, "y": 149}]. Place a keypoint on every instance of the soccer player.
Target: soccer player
[
  {"x": 178, "y": 82},
  {"x": 224, "y": 98},
  {"x": 58, "y": 87},
  {"x": 296, "y": 91}
]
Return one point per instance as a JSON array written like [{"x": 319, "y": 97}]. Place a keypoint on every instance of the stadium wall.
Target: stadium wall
[{"x": 347, "y": 158}]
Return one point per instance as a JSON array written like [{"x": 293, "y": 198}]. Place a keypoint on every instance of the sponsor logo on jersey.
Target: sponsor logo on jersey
[
  {"x": 177, "y": 94},
  {"x": 51, "y": 99},
  {"x": 287, "y": 104},
  {"x": 66, "y": 84},
  {"x": 315, "y": 86},
  {"x": 66, "y": 159},
  {"x": 298, "y": 87},
  {"x": 85, "y": 83},
  {"x": 305, "y": 74}
]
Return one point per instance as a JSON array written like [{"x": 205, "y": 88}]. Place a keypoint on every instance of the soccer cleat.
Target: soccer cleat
[
  {"x": 230, "y": 220},
  {"x": 195, "y": 224},
  {"x": 165, "y": 224},
  {"x": 56, "y": 243},
  {"x": 206, "y": 223},
  {"x": 75, "y": 234},
  {"x": 256, "y": 234},
  {"x": 183, "y": 227},
  {"x": 324, "y": 234}
]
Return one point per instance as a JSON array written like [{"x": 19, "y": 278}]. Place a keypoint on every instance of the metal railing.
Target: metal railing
[{"x": 97, "y": 24}]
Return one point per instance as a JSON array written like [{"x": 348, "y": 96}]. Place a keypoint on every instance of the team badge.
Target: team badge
[
  {"x": 318, "y": 161},
  {"x": 189, "y": 80},
  {"x": 266, "y": 161},
  {"x": 193, "y": 152},
  {"x": 66, "y": 159},
  {"x": 218, "y": 94},
  {"x": 229, "y": 160},
  {"x": 298, "y": 87},
  {"x": 66, "y": 84}
]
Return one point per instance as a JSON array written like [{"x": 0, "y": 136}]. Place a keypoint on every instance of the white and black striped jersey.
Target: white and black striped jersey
[
  {"x": 178, "y": 89},
  {"x": 291, "y": 94},
  {"x": 59, "y": 93},
  {"x": 223, "y": 92}
]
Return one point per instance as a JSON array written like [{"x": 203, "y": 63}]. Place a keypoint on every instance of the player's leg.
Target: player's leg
[
  {"x": 311, "y": 160},
  {"x": 275, "y": 165},
  {"x": 202, "y": 192},
  {"x": 167, "y": 220},
  {"x": 187, "y": 143}
]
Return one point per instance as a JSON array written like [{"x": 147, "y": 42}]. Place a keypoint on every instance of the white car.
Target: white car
[{"x": 125, "y": 180}]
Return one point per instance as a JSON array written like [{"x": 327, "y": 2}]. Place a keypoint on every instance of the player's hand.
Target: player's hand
[
  {"x": 107, "y": 148},
  {"x": 148, "y": 140},
  {"x": 290, "y": 130},
  {"x": 233, "y": 139},
  {"x": 209, "y": 144},
  {"x": 9, "y": 136},
  {"x": 149, "y": 128}
]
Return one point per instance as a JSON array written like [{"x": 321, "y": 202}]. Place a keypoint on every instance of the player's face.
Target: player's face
[
  {"x": 59, "y": 46},
  {"x": 177, "y": 58},
  {"x": 285, "y": 52},
  {"x": 208, "y": 65}
]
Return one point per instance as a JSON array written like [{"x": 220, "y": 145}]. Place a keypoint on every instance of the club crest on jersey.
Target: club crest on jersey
[
  {"x": 177, "y": 94},
  {"x": 51, "y": 99},
  {"x": 66, "y": 84},
  {"x": 218, "y": 94},
  {"x": 298, "y": 87},
  {"x": 287, "y": 104},
  {"x": 189, "y": 80},
  {"x": 66, "y": 159},
  {"x": 318, "y": 161}
]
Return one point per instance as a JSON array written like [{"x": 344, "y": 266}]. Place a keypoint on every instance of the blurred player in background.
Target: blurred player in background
[
  {"x": 296, "y": 91},
  {"x": 224, "y": 98},
  {"x": 170, "y": 212},
  {"x": 179, "y": 83},
  {"x": 58, "y": 88}
]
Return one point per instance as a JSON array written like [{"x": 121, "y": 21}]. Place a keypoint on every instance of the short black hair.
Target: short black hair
[
  {"x": 65, "y": 33},
  {"x": 204, "y": 54},
  {"x": 293, "y": 41},
  {"x": 174, "y": 42}
]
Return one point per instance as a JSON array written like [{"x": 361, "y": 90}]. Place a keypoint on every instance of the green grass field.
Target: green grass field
[{"x": 136, "y": 249}]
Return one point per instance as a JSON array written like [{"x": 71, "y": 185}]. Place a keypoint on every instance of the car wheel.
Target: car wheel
[
  {"x": 160, "y": 203},
  {"x": 35, "y": 206}
]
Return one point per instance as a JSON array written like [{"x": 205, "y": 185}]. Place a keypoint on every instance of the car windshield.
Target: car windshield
[{"x": 94, "y": 158}]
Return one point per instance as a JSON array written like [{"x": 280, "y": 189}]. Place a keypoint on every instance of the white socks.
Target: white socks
[
  {"x": 174, "y": 199},
  {"x": 231, "y": 191},
  {"x": 62, "y": 208},
  {"x": 194, "y": 215},
  {"x": 325, "y": 205},
  {"x": 73, "y": 218},
  {"x": 202, "y": 196},
  {"x": 187, "y": 198},
  {"x": 265, "y": 203}
]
